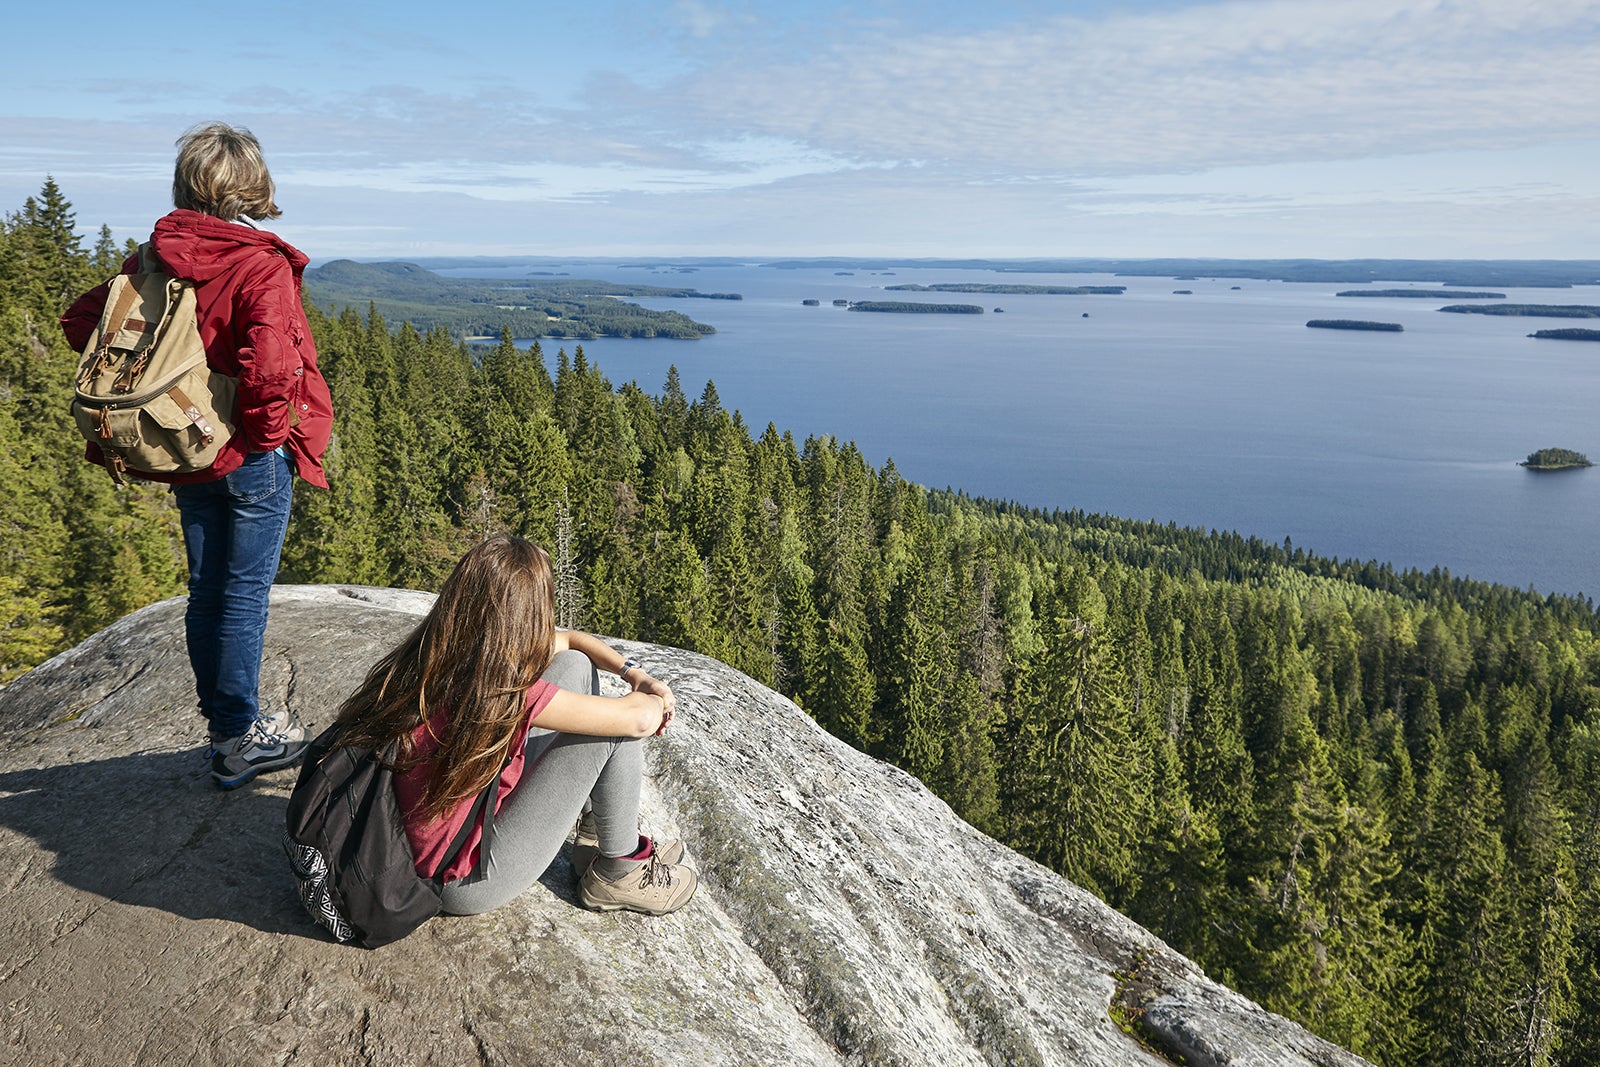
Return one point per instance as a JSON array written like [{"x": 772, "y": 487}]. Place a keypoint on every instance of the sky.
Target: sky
[{"x": 1012, "y": 128}]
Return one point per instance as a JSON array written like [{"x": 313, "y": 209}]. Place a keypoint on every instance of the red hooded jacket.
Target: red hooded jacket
[{"x": 247, "y": 297}]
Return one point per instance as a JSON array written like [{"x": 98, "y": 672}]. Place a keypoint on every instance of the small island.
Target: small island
[
  {"x": 1555, "y": 459},
  {"x": 1183, "y": 292},
  {"x": 1424, "y": 294},
  {"x": 1354, "y": 324},
  {"x": 911, "y": 308},
  {"x": 1572, "y": 333},
  {"x": 811, "y": 303},
  {"x": 1541, "y": 311}
]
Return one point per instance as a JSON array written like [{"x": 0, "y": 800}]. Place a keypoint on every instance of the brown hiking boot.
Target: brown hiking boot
[
  {"x": 653, "y": 886},
  {"x": 586, "y": 846}
]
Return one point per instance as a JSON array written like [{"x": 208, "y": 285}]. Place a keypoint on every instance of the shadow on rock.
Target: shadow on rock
[{"x": 152, "y": 830}]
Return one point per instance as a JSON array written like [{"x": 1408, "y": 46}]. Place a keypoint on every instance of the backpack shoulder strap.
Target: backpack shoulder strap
[
  {"x": 118, "y": 316},
  {"x": 486, "y": 803},
  {"x": 149, "y": 262}
]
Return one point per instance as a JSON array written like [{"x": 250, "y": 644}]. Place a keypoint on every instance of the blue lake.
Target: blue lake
[{"x": 1218, "y": 409}]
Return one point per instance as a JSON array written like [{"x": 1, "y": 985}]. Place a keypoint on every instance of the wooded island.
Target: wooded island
[
  {"x": 1423, "y": 294},
  {"x": 1569, "y": 334},
  {"x": 1543, "y": 311},
  {"x": 1354, "y": 324},
  {"x": 1555, "y": 459},
  {"x": 912, "y": 307}
]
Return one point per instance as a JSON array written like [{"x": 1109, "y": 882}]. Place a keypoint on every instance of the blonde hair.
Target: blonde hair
[
  {"x": 220, "y": 172},
  {"x": 487, "y": 639}
]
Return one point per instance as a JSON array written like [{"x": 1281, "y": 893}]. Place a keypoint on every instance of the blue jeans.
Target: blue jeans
[{"x": 233, "y": 529}]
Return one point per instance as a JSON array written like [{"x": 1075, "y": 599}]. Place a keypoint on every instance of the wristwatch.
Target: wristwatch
[{"x": 628, "y": 665}]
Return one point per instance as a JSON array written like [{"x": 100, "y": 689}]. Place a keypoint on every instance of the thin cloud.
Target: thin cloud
[
  {"x": 1276, "y": 126},
  {"x": 1213, "y": 85}
]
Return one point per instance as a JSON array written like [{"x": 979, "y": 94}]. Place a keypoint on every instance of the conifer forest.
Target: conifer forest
[{"x": 1369, "y": 799}]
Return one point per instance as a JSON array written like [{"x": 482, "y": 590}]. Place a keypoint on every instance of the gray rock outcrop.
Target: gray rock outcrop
[{"x": 846, "y": 915}]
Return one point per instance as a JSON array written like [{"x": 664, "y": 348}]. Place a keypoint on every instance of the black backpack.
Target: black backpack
[{"x": 347, "y": 846}]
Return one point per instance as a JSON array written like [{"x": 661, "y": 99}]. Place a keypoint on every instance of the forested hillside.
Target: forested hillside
[
  {"x": 1369, "y": 799},
  {"x": 482, "y": 307}
]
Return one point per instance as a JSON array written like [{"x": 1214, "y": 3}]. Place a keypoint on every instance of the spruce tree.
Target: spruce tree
[
  {"x": 1465, "y": 998},
  {"x": 1080, "y": 790}
]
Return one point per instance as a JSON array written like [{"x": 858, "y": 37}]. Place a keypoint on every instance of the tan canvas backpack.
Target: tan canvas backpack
[{"x": 145, "y": 393}]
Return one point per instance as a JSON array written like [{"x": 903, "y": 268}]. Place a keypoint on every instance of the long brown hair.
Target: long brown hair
[{"x": 487, "y": 638}]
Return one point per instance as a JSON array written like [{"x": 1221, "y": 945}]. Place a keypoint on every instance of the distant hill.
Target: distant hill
[
  {"x": 1524, "y": 273},
  {"x": 578, "y": 308},
  {"x": 1473, "y": 273},
  {"x": 1020, "y": 290}
]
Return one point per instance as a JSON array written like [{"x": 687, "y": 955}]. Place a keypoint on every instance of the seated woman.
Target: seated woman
[{"x": 486, "y": 686}]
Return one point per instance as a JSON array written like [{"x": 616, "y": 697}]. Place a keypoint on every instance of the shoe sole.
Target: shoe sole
[
  {"x": 278, "y": 763},
  {"x": 597, "y": 905}
]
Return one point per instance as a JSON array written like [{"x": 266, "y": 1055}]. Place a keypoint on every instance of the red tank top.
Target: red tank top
[{"x": 429, "y": 840}]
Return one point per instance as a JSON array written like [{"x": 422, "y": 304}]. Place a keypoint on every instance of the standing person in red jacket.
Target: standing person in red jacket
[{"x": 235, "y": 513}]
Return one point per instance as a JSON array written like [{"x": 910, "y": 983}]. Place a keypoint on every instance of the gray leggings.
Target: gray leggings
[{"x": 563, "y": 770}]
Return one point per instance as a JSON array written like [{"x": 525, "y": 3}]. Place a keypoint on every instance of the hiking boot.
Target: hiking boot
[
  {"x": 586, "y": 846},
  {"x": 653, "y": 887},
  {"x": 272, "y": 741}
]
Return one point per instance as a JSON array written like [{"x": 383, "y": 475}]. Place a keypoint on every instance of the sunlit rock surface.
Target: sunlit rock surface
[{"x": 845, "y": 915}]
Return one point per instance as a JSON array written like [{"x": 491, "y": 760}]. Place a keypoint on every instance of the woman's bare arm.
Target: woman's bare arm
[
  {"x": 635, "y": 715},
  {"x": 607, "y": 658}
]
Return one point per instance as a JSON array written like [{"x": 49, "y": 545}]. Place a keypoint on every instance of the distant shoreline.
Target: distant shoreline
[
  {"x": 1010, "y": 290},
  {"x": 1458, "y": 273}
]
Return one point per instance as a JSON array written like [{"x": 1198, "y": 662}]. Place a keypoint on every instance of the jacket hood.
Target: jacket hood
[{"x": 200, "y": 247}]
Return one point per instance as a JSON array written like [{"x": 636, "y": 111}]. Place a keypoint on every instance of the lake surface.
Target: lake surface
[{"x": 1218, "y": 409}]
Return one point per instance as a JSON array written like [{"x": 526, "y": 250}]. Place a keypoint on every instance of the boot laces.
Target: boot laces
[
  {"x": 656, "y": 872},
  {"x": 266, "y": 734}
]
